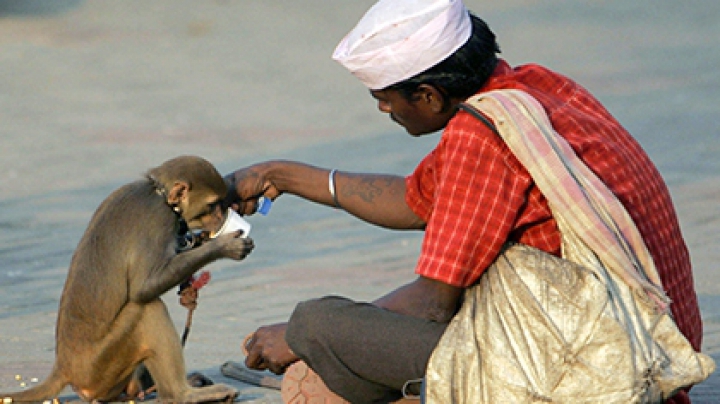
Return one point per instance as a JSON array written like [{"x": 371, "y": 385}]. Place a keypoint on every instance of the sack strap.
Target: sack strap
[{"x": 474, "y": 112}]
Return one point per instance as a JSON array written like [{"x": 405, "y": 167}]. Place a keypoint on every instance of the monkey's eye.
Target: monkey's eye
[
  {"x": 212, "y": 206},
  {"x": 209, "y": 209}
]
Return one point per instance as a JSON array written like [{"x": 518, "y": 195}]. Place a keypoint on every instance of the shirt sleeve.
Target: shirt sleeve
[{"x": 469, "y": 191}]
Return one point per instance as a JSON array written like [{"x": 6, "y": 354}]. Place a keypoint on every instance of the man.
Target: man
[{"x": 470, "y": 195}]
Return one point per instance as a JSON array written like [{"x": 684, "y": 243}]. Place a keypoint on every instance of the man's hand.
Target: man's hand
[
  {"x": 267, "y": 349},
  {"x": 246, "y": 186}
]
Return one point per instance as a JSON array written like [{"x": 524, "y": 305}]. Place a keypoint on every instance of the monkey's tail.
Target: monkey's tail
[{"x": 48, "y": 389}]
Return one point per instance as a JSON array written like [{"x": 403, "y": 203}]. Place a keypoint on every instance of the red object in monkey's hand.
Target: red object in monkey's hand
[
  {"x": 198, "y": 282},
  {"x": 189, "y": 290}
]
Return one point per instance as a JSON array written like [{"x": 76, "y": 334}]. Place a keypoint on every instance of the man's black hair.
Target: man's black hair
[{"x": 464, "y": 72}]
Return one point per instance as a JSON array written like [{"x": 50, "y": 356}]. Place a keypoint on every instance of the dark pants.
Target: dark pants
[{"x": 363, "y": 353}]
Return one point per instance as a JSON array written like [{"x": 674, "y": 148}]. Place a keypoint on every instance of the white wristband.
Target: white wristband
[{"x": 331, "y": 187}]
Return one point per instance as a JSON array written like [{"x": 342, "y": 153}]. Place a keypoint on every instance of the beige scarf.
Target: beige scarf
[{"x": 592, "y": 326}]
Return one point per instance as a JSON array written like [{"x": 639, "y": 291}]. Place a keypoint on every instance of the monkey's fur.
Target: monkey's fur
[{"x": 111, "y": 319}]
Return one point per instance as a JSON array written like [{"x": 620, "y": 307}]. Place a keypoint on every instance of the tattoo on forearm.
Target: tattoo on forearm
[{"x": 369, "y": 189}]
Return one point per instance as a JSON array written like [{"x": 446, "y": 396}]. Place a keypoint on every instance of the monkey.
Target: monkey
[{"x": 111, "y": 320}]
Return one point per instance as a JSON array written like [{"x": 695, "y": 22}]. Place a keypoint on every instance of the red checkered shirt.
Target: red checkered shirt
[{"x": 475, "y": 196}]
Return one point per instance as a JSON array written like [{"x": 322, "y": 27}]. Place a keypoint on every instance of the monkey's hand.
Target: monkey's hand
[{"x": 233, "y": 246}]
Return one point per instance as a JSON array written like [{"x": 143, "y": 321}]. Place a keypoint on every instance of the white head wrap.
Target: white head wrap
[{"x": 397, "y": 39}]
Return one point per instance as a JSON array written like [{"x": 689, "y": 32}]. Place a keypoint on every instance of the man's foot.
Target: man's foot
[{"x": 301, "y": 385}]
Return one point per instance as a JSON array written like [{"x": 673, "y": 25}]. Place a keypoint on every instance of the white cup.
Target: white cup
[{"x": 233, "y": 222}]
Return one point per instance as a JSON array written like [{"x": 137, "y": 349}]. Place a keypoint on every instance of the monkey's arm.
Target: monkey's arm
[{"x": 179, "y": 266}]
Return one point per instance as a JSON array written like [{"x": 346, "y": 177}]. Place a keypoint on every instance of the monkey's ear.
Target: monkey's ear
[{"x": 178, "y": 192}]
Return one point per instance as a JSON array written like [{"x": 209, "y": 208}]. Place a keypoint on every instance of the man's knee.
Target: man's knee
[{"x": 313, "y": 320}]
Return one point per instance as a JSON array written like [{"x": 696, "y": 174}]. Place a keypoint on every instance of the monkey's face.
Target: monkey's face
[
  {"x": 200, "y": 206},
  {"x": 206, "y": 213}
]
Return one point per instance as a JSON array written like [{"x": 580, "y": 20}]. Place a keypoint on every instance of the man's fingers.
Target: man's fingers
[{"x": 253, "y": 359}]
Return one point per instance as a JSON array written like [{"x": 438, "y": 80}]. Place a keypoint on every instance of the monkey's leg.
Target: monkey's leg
[
  {"x": 167, "y": 365},
  {"x": 102, "y": 369}
]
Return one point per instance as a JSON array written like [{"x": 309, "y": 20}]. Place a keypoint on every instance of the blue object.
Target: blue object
[{"x": 264, "y": 205}]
